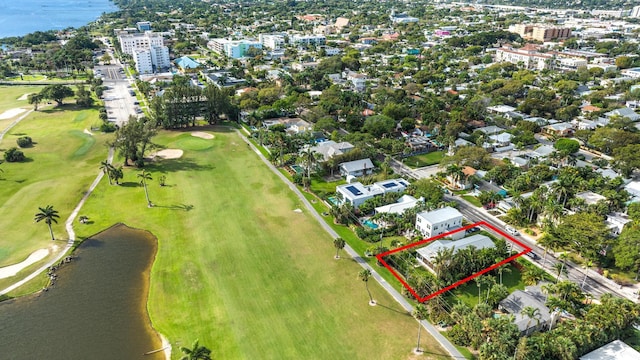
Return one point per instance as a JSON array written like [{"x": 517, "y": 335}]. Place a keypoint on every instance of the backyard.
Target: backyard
[{"x": 236, "y": 262}]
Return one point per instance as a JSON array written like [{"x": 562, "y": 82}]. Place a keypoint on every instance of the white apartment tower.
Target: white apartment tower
[{"x": 147, "y": 49}]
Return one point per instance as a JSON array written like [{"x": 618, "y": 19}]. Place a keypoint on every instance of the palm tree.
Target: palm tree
[
  {"x": 455, "y": 172},
  {"x": 364, "y": 275},
  {"x": 49, "y": 215},
  {"x": 144, "y": 176},
  {"x": 563, "y": 257},
  {"x": 559, "y": 267},
  {"x": 531, "y": 313},
  {"x": 587, "y": 266},
  {"x": 107, "y": 169},
  {"x": 117, "y": 174},
  {"x": 442, "y": 259},
  {"x": 339, "y": 243},
  {"x": 420, "y": 313},
  {"x": 309, "y": 158},
  {"x": 196, "y": 352},
  {"x": 533, "y": 275}
]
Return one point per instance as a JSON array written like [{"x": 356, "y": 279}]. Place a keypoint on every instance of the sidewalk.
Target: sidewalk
[{"x": 444, "y": 342}]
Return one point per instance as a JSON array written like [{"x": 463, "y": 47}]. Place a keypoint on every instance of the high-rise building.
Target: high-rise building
[
  {"x": 147, "y": 49},
  {"x": 635, "y": 12},
  {"x": 234, "y": 49},
  {"x": 271, "y": 41}
]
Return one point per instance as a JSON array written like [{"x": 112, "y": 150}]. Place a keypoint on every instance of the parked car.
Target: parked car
[
  {"x": 511, "y": 231},
  {"x": 473, "y": 230}
]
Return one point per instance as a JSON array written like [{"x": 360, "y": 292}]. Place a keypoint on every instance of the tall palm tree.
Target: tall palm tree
[
  {"x": 563, "y": 257},
  {"x": 196, "y": 352},
  {"x": 455, "y": 172},
  {"x": 309, "y": 158},
  {"x": 419, "y": 313},
  {"x": 144, "y": 176},
  {"x": 364, "y": 275},
  {"x": 49, "y": 215},
  {"x": 559, "y": 267},
  {"x": 532, "y": 313},
  {"x": 587, "y": 266},
  {"x": 107, "y": 169},
  {"x": 339, "y": 243}
]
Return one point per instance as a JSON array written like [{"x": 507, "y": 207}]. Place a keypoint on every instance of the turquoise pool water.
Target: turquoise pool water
[
  {"x": 333, "y": 200},
  {"x": 298, "y": 169},
  {"x": 370, "y": 224}
]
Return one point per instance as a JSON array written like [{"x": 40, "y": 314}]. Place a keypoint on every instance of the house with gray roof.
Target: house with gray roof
[
  {"x": 615, "y": 350},
  {"x": 356, "y": 168},
  {"x": 532, "y": 296},
  {"x": 399, "y": 207},
  {"x": 329, "y": 149},
  {"x": 426, "y": 254},
  {"x": 623, "y": 112}
]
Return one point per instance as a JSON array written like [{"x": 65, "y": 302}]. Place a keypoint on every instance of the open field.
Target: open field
[
  {"x": 422, "y": 160},
  {"x": 240, "y": 270},
  {"x": 59, "y": 168}
]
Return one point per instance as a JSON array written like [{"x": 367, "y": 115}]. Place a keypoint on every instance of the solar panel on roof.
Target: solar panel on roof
[
  {"x": 354, "y": 190},
  {"x": 390, "y": 185}
]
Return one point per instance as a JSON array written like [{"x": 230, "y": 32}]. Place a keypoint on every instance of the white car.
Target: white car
[{"x": 511, "y": 231}]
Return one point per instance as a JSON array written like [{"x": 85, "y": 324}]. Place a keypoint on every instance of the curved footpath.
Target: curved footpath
[
  {"x": 14, "y": 123},
  {"x": 451, "y": 349}
]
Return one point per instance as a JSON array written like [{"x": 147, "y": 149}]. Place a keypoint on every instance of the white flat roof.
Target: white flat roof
[
  {"x": 440, "y": 215},
  {"x": 478, "y": 241},
  {"x": 615, "y": 350}
]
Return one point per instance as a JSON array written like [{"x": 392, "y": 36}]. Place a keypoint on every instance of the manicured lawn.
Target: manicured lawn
[
  {"x": 468, "y": 293},
  {"x": 59, "y": 168},
  {"x": 240, "y": 270},
  {"x": 473, "y": 200},
  {"x": 9, "y": 96},
  {"x": 431, "y": 158}
]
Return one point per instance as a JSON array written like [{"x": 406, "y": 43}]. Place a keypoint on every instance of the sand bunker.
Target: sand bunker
[
  {"x": 13, "y": 270},
  {"x": 202, "y": 135},
  {"x": 167, "y": 154},
  {"x": 25, "y": 96},
  {"x": 87, "y": 132},
  {"x": 11, "y": 113}
]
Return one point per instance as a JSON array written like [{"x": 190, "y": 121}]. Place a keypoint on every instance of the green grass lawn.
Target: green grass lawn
[
  {"x": 473, "y": 200},
  {"x": 9, "y": 96},
  {"x": 59, "y": 168},
  {"x": 431, "y": 158},
  {"x": 468, "y": 292},
  {"x": 240, "y": 270}
]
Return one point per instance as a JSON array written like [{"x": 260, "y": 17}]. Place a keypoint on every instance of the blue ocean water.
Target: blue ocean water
[{"x": 20, "y": 17}]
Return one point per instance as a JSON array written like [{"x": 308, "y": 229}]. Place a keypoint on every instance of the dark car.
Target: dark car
[
  {"x": 533, "y": 255},
  {"x": 473, "y": 230}
]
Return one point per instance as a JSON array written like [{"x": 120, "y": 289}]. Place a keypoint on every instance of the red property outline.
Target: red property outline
[{"x": 459, "y": 282}]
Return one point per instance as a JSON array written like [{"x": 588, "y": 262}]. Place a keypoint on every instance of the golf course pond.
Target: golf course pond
[{"x": 96, "y": 309}]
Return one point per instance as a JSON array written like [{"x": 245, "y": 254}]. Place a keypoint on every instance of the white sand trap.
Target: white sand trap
[
  {"x": 202, "y": 135},
  {"x": 167, "y": 154},
  {"x": 297, "y": 210},
  {"x": 11, "y": 113},
  {"x": 87, "y": 132},
  {"x": 25, "y": 96},
  {"x": 13, "y": 270}
]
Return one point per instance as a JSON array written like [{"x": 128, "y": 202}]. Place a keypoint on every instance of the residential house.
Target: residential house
[
  {"x": 623, "y": 112},
  {"x": 427, "y": 254},
  {"x": 356, "y": 193},
  {"x": 465, "y": 181},
  {"x": 399, "y": 207},
  {"x": 356, "y": 168},
  {"x": 616, "y": 222},
  {"x": 187, "y": 64},
  {"x": 615, "y": 350},
  {"x": 562, "y": 129},
  {"x": 531, "y": 296},
  {"x": 330, "y": 148},
  {"x": 292, "y": 125},
  {"x": 440, "y": 221}
]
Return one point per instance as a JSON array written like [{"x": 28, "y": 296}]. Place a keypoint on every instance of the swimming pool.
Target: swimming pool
[
  {"x": 333, "y": 200},
  {"x": 370, "y": 224},
  {"x": 298, "y": 169}
]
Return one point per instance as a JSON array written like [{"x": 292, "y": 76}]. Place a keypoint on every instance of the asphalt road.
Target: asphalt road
[{"x": 117, "y": 99}]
